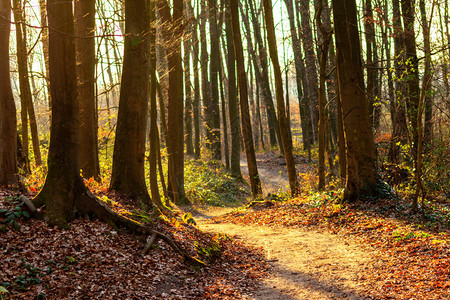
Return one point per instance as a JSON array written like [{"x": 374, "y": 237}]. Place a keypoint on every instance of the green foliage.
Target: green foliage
[
  {"x": 188, "y": 219},
  {"x": 12, "y": 215},
  {"x": 211, "y": 252},
  {"x": 209, "y": 183},
  {"x": 3, "y": 292},
  {"x": 32, "y": 276}
]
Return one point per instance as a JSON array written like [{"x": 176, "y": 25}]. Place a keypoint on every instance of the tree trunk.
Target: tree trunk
[
  {"x": 128, "y": 175},
  {"x": 399, "y": 130},
  {"x": 206, "y": 87},
  {"x": 153, "y": 133},
  {"x": 175, "y": 142},
  {"x": 43, "y": 15},
  {"x": 274, "y": 129},
  {"x": 255, "y": 182},
  {"x": 412, "y": 67},
  {"x": 284, "y": 127},
  {"x": 297, "y": 48},
  {"x": 85, "y": 47},
  {"x": 214, "y": 117},
  {"x": 8, "y": 121},
  {"x": 63, "y": 184},
  {"x": 323, "y": 58},
  {"x": 360, "y": 146},
  {"x": 187, "y": 81},
  {"x": 311, "y": 70},
  {"x": 371, "y": 65},
  {"x": 196, "y": 101},
  {"x": 232, "y": 98},
  {"x": 428, "y": 101}
]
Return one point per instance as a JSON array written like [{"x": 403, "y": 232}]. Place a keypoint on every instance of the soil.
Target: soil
[{"x": 305, "y": 264}]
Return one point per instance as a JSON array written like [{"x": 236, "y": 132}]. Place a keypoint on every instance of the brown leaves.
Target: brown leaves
[{"x": 93, "y": 260}]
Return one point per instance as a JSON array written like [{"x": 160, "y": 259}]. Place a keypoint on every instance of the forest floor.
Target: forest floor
[
  {"x": 333, "y": 252},
  {"x": 310, "y": 247}
]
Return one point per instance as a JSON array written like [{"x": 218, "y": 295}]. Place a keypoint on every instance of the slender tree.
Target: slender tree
[
  {"x": 255, "y": 182},
  {"x": 282, "y": 118},
  {"x": 233, "y": 111}
]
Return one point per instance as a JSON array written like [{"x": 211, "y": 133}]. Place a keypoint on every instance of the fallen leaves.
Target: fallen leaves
[
  {"x": 413, "y": 261},
  {"x": 91, "y": 260}
]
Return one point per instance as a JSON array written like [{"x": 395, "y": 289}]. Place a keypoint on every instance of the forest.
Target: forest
[{"x": 224, "y": 149}]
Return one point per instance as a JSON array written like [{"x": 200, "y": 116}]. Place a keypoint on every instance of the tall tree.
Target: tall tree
[
  {"x": 175, "y": 142},
  {"x": 232, "y": 97},
  {"x": 274, "y": 129},
  {"x": 399, "y": 127},
  {"x": 310, "y": 62},
  {"x": 360, "y": 146},
  {"x": 255, "y": 182},
  {"x": 282, "y": 118},
  {"x": 8, "y": 121},
  {"x": 213, "y": 119},
  {"x": 187, "y": 40},
  {"x": 85, "y": 51},
  {"x": 196, "y": 100},
  {"x": 26, "y": 99},
  {"x": 128, "y": 175},
  {"x": 412, "y": 68},
  {"x": 63, "y": 186},
  {"x": 372, "y": 64}
]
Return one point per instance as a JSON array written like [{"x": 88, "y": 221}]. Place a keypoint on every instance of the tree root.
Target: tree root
[{"x": 89, "y": 204}]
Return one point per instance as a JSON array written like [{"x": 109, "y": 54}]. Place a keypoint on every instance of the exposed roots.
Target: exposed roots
[{"x": 89, "y": 204}]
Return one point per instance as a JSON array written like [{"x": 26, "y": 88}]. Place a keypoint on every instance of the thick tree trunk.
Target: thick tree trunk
[
  {"x": 284, "y": 127},
  {"x": 128, "y": 175},
  {"x": 233, "y": 98},
  {"x": 85, "y": 47},
  {"x": 360, "y": 146},
  {"x": 8, "y": 121},
  {"x": 255, "y": 182},
  {"x": 63, "y": 184}
]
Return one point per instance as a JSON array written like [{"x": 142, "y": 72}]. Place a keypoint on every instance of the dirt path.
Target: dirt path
[{"x": 305, "y": 264}]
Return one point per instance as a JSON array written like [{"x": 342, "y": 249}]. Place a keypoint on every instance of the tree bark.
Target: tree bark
[
  {"x": 255, "y": 182},
  {"x": 274, "y": 130},
  {"x": 282, "y": 119},
  {"x": 85, "y": 49},
  {"x": 128, "y": 175},
  {"x": 175, "y": 142},
  {"x": 8, "y": 121},
  {"x": 214, "y": 116},
  {"x": 187, "y": 81},
  {"x": 311, "y": 70},
  {"x": 232, "y": 97},
  {"x": 360, "y": 146}
]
